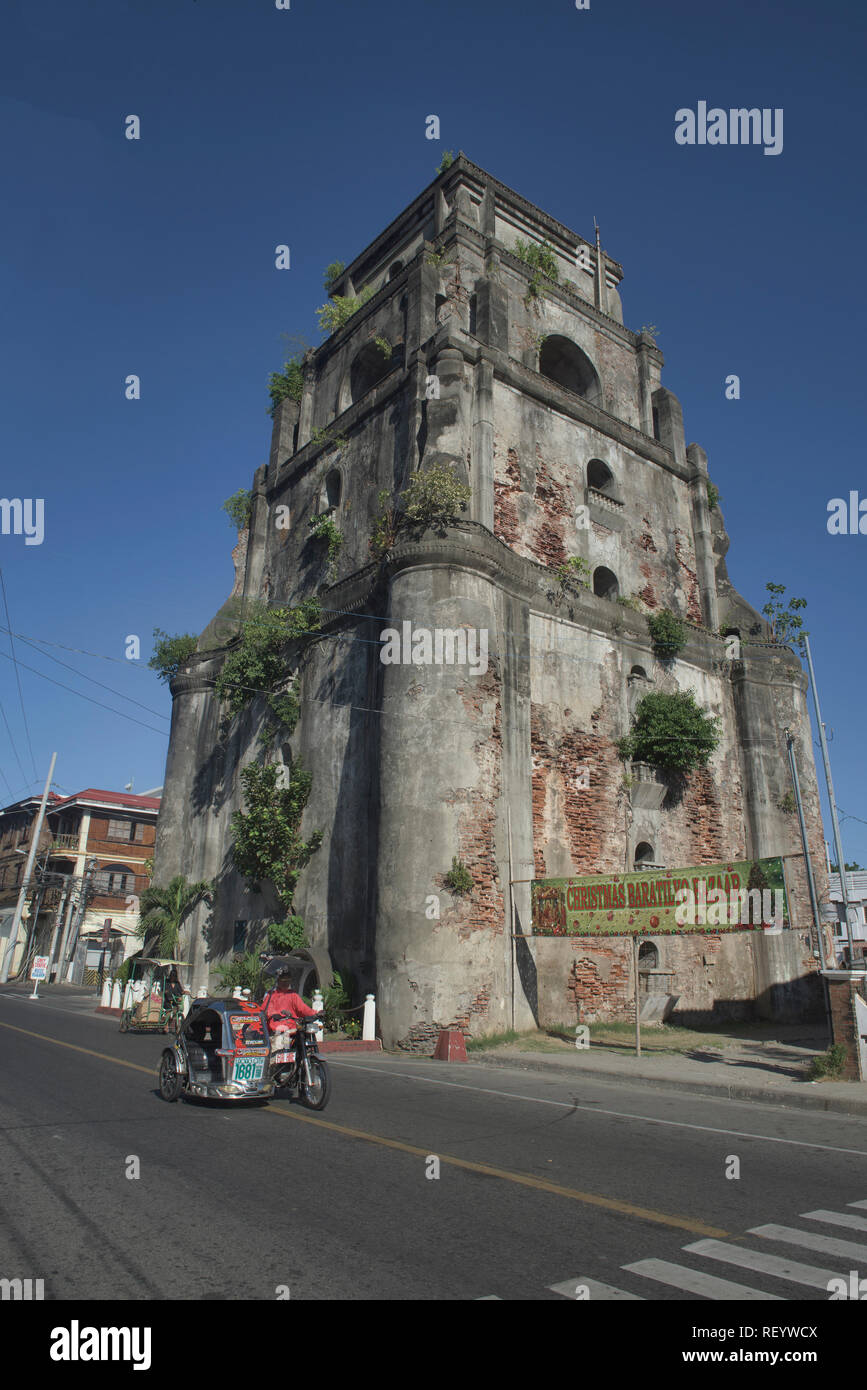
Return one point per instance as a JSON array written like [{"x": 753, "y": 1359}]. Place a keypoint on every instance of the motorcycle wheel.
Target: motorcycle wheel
[
  {"x": 170, "y": 1079},
  {"x": 315, "y": 1097}
]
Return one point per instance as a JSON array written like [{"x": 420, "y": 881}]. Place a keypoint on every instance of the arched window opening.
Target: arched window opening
[
  {"x": 394, "y": 269},
  {"x": 644, "y": 854},
  {"x": 368, "y": 369},
  {"x": 640, "y": 672},
  {"x": 605, "y": 583},
  {"x": 333, "y": 489},
  {"x": 600, "y": 478},
  {"x": 562, "y": 361},
  {"x": 648, "y": 956}
]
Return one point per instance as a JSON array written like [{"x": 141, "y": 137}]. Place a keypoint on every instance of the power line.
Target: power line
[
  {"x": 17, "y": 674},
  {"x": 50, "y": 679},
  {"x": 85, "y": 677},
  {"x": 11, "y": 740}
]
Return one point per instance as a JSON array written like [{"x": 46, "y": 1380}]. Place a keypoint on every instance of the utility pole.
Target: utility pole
[
  {"x": 841, "y": 862},
  {"x": 790, "y": 748},
  {"x": 28, "y": 869},
  {"x": 77, "y": 909},
  {"x": 67, "y": 880}
]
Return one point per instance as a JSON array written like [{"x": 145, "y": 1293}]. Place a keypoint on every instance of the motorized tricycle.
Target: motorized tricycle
[
  {"x": 148, "y": 1005},
  {"x": 223, "y": 1052}
]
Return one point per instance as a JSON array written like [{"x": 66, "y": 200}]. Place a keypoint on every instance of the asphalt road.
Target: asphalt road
[{"x": 543, "y": 1186}]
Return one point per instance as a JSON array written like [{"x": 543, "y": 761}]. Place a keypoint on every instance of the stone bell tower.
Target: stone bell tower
[{"x": 491, "y": 339}]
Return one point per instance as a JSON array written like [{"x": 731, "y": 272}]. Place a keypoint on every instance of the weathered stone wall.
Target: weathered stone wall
[
  {"x": 414, "y": 765},
  {"x": 714, "y": 978}
]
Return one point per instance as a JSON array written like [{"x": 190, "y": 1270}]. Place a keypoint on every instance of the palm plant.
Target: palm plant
[{"x": 164, "y": 911}]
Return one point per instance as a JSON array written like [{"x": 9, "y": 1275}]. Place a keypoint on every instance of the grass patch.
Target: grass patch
[
  {"x": 829, "y": 1065},
  {"x": 493, "y": 1040}
]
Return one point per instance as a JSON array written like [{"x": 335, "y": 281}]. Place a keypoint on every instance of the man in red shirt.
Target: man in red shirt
[{"x": 282, "y": 999}]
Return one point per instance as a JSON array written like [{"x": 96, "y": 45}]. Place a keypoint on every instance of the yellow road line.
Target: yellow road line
[
  {"x": 73, "y": 1047},
  {"x": 523, "y": 1179},
  {"x": 590, "y": 1199}
]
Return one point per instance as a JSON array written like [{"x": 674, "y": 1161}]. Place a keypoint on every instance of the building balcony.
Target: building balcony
[
  {"x": 62, "y": 844},
  {"x": 610, "y": 504},
  {"x": 648, "y": 788}
]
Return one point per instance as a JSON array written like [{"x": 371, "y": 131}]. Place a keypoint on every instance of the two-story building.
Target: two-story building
[{"x": 91, "y": 867}]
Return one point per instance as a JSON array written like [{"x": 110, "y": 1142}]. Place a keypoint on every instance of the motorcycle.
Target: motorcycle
[{"x": 300, "y": 1067}]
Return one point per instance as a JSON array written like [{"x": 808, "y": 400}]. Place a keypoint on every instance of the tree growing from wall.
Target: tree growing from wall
[
  {"x": 671, "y": 732},
  {"x": 258, "y": 665},
  {"x": 267, "y": 840},
  {"x": 666, "y": 634},
  {"x": 170, "y": 653},
  {"x": 238, "y": 508},
  {"x": 786, "y": 623}
]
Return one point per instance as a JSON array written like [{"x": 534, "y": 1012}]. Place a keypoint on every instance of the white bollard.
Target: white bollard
[
  {"x": 115, "y": 994},
  {"x": 317, "y": 1007},
  {"x": 126, "y": 1002},
  {"x": 105, "y": 997},
  {"x": 368, "y": 1025}
]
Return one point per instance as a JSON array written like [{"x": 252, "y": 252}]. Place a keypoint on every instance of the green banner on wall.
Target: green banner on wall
[{"x": 742, "y": 895}]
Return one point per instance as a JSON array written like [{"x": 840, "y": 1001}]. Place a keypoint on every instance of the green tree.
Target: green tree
[
  {"x": 163, "y": 911},
  {"x": 785, "y": 623},
  {"x": 288, "y": 936},
  {"x": 340, "y": 308},
  {"x": 332, "y": 273},
  {"x": 267, "y": 841},
  {"x": 171, "y": 652},
  {"x": 671, "y": 732},
  {"x": 574, "y": 572},
  {"x": 666, "y": 634},
  {"x": 435, "y": 497},
  {"x": 258, "y": 665},
  {"x": 323, "y": 528},
  {"x": 238, "y": 508},
  {"x": 288, "y": 383}
]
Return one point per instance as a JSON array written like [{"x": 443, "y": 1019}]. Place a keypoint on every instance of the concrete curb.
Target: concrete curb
[{"x": 799, "y": 1099}]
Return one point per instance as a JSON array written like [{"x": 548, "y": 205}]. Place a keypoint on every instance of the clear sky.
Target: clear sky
[{"x": 306, "y": 126}]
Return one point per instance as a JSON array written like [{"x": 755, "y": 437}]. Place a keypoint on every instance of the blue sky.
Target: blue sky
[{"x": 307, "y": 126}]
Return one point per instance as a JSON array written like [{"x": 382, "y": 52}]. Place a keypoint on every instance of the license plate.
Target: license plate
[
  {"x": 283, "y": 1057},
  {"x": 248, "y": 1069}
]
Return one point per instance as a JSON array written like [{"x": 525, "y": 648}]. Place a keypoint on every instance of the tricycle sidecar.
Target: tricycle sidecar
[{"x": 221, "y": 1052}]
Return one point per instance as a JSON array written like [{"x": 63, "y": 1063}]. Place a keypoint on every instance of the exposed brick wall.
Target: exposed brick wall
[
  {"x": 598, "y": 987},
  {"x": 844, "y": 1025},
  {"x": 422, "y": 1037},
  {"x": 589, "y": 811},
  {"x": 484, "y": 906},
  {"x": 506, "y": 521},
  {"x": 689, "y": 586},
  {"x": 708, "y": 844},
  {"x": 547, "y": 543}
]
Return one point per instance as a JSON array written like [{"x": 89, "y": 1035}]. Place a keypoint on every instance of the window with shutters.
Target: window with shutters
[{"x": 119, "y": 830}]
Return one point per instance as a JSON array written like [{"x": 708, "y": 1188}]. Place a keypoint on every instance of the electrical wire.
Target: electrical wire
[
  {"x": 84, "y": 676},
  {"x": 81, "y": 696},
  {"x": 17, "y": 673}
]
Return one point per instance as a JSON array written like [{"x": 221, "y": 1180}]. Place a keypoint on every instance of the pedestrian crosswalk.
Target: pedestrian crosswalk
[{"x": 701, "y": 1279}]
